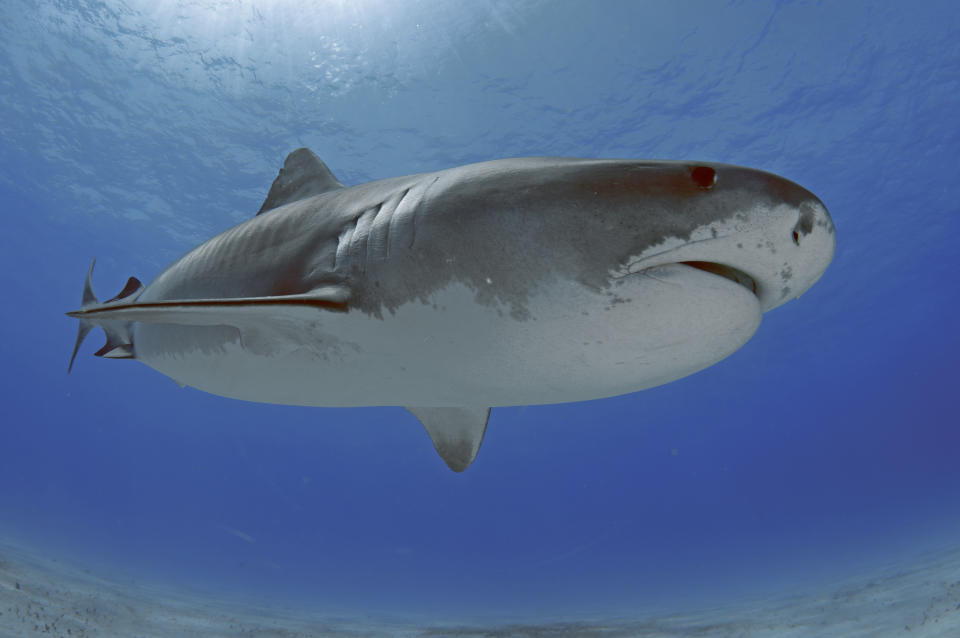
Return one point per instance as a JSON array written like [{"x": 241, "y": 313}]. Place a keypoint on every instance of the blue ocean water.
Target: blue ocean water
[{"x": 132, "y": 131}]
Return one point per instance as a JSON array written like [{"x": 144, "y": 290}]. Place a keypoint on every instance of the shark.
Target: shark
[{"x": 522, "y": 281}]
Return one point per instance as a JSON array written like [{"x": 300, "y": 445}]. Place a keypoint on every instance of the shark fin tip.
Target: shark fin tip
[{"x": 457, "y": 433}]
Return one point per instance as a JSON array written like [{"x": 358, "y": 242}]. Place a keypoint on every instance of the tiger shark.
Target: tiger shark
[{"x": 509, "y": 282}]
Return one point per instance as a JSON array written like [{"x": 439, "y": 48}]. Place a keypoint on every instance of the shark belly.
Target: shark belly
[{"x": 573, "y": 343}]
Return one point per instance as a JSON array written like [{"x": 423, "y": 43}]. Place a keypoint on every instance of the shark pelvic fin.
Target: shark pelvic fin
[
  {"x": 303, "y": 175},
  {"x": 456, "y": 432}
]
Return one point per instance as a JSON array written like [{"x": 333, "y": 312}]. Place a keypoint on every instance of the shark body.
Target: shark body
[{"x": 510, "y": 282}]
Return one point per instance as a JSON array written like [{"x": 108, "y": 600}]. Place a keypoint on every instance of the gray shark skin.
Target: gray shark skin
[{"x": 510, "y": 282}]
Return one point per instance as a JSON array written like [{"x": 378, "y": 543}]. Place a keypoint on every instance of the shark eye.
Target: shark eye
[{"x": 704, "y": 177}]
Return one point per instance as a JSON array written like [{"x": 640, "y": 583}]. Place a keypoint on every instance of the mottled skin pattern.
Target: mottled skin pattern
[{"x": 503, "y": 228}]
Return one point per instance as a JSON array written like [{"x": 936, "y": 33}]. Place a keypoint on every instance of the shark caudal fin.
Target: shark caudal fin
[{"x": 119, "y": 343}]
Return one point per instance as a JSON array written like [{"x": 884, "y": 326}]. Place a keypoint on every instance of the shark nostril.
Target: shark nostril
[
  {"x": 704, "y": 177},
  {"x": 805, "y": 222}
]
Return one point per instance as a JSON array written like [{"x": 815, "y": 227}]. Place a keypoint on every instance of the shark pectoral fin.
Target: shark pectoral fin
[{"x": 456, "y": 432}]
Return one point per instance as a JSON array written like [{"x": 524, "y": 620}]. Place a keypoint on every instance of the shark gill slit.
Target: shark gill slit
[
  {"x": 381, "y": 226},
  {"x": 392, "y": 218},
  {"x": 368, "y": 236},
  {"x": 413, "y": 210},
  {"x": 413, "y": 213},
  {"x": 360, "y": 248}
]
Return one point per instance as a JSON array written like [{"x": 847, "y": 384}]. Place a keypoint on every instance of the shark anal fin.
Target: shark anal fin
[{"x": 456, "y": 432}]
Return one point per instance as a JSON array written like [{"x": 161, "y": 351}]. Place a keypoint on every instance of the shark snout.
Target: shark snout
[
  {"x": 787, "y": 254},
  {"x": 813, "y": 239}
]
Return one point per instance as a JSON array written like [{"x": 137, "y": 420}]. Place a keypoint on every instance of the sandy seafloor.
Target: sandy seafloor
[{"x": 44, "y": 597}]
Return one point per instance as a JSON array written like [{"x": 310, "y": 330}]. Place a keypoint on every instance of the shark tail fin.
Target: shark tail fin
[
  {"x": 119, "y": 343},
  {"x": 82, "y": 331}
]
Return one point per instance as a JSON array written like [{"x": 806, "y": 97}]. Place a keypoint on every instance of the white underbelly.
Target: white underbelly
[{"x": 575, "y": 344}]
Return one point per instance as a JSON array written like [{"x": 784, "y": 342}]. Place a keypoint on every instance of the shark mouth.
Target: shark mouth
[{"x": 727, "y": 272}]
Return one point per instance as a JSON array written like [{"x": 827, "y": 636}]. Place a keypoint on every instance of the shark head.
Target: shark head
[
  {"x": 598, "y": 221},
  {"x": 755, "y": 228}
]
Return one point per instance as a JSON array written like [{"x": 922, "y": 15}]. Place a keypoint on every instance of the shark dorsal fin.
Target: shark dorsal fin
[{"x": 303, "y": 175}]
